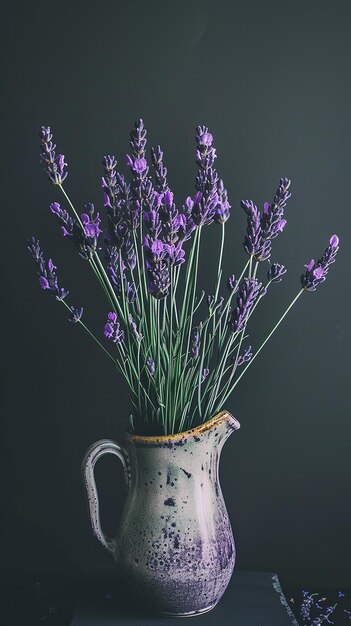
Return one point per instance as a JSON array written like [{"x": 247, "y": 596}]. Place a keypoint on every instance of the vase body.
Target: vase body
[{"x": 175, "y": 545}]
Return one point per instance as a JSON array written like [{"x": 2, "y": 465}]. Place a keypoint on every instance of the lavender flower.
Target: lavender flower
[
  {"x": 159, "y": 258},
  {"x": 54, "y": 165},
  {"x": 46, "y": 271},
  {"x": 205, "y": 373},
  {"x": 137, "y": 162},
  {"x": 254, "y": 244},
  {"x": 316, "y": 272},
  {"x": 262, "y": 228},
  {"x": 76, "y": 314},
  {"x": 276, "y": 272},
  {"x": 134, "y": 328},
  {"x": 150, "y": 364},
  {"x": 114, "y": 259},
  {"x": 207, "y": 181},
  {"x": 324, "y": 616},
  {"x": 247, "y": 296},
  {"x": 195, "y": 343},
  {"x": 159, "y": 280},
  {"x": 273, "y": 221},
  {"x": 112, "y": 329},
  {"x": 223, "y": 206},
  {"x": 306, "y": 605},
  {"x": 91, "y": 224},
  {"x": 160, "y": 169},
  {"x": 245, "y": 357},
  {"x": 83, "y": 237}
]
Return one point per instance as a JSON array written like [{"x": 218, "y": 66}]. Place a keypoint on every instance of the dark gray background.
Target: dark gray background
[{"x": 272, "y": 81}]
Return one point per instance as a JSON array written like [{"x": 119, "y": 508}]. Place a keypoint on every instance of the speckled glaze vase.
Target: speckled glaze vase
[{"x": 175, "y": 544}]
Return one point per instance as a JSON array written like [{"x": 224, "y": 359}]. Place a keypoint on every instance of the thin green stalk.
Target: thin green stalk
[
  {"x": 91, "y": 334},
  {"x": 261, "y": 346}
]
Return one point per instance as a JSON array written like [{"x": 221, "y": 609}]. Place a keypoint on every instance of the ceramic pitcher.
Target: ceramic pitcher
[{"x": 175, "y": 544}]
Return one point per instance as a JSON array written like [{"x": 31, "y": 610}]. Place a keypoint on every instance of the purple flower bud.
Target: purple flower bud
[
  {"x": 112, "y": 317},
  {"x": 43, "y": 282},
  {"x": 150, "y": 364},
  {"x": 281, "y": 224},
  {"x": 334, "y": 241},
  {"x": 195, "y": 340},
  {"x": 248, "y": 294},
  {"x": 112, "y": 329},
  {"x": 54, "y": 165},
  {"x": 189, "y": 203},
  {"x": 168, "y": 198},
  {"x": 46, "y": 271},
  {"x": 51, "y": 266},
  {"x": 139, "y": 165},
  {"x": 310, "y": 265},
  {"x": 157, "y": 247},
  {"x": 206, "y": 139},
  {"x": 134, "y": 328},
  {"x": 55, "y": 208},
  {"x": 197, "y": 198},
  {"x": 316, "y": 272},
  {"x": 205, "y": 373},
  {"x": 108, "y": 330}
]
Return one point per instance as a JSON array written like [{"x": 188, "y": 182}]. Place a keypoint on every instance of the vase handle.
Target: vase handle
[{"x": 98, "y": 449}]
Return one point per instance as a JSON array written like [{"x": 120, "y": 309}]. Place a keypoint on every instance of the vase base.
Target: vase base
[{"x": 190, "y": 613}]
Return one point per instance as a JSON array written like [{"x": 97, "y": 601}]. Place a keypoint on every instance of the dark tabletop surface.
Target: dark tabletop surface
[{"x": 252, "y": 599}]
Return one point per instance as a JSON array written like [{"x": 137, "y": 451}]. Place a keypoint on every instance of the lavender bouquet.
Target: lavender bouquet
[{"x": 181, "y": 353}]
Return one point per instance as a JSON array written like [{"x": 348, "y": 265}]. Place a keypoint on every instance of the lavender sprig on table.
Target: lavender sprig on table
[{"x": 181, "y": 352}]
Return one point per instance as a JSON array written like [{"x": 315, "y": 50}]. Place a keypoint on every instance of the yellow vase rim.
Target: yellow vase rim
[{"x": 209, "y": 424}]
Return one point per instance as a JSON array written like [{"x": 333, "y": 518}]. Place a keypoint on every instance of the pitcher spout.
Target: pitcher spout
[{"x": 220, "y": 427}]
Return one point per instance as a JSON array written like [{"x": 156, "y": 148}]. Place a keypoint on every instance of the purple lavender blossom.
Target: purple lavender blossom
[
  {"x": 46, "y": 271},
  {"x": 273, "y": 220},
  {"x": 245, "y": 357},
  {"x": 276, "y": 272},
  {"x": 306, "y": 605},
  {"x": 248, "y": 294},
  {"x": 76, "y": 314},
  {"x": 112, "y": 329},
  {"x": 150, "y": 364},
  {"x": 137, "y": 162},
  {"x": 205, "y": 373},
  {"x": 223, "y": 206},
  {"x": 160, "y": 169},
  {"x": 265, "y": 226},
  {"x": 114, "y": 269},
  {"x": 91, "y": 222},
  {"x": 195, "y": 343},
  {"x": 254, "y": 243},
  {"x": 54, "y": 165},
  {"x": 316, "y": 271},
  {"x": 134, "y": 328},
  {"x": 159, "y": 258},
  {"x": 207, "y": 181},
  {"x": 85, "y": 236},
  {"x": 159, "y": 280}
]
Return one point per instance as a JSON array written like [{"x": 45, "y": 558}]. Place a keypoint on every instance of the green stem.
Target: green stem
[{"x": 262, "y": 345}]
